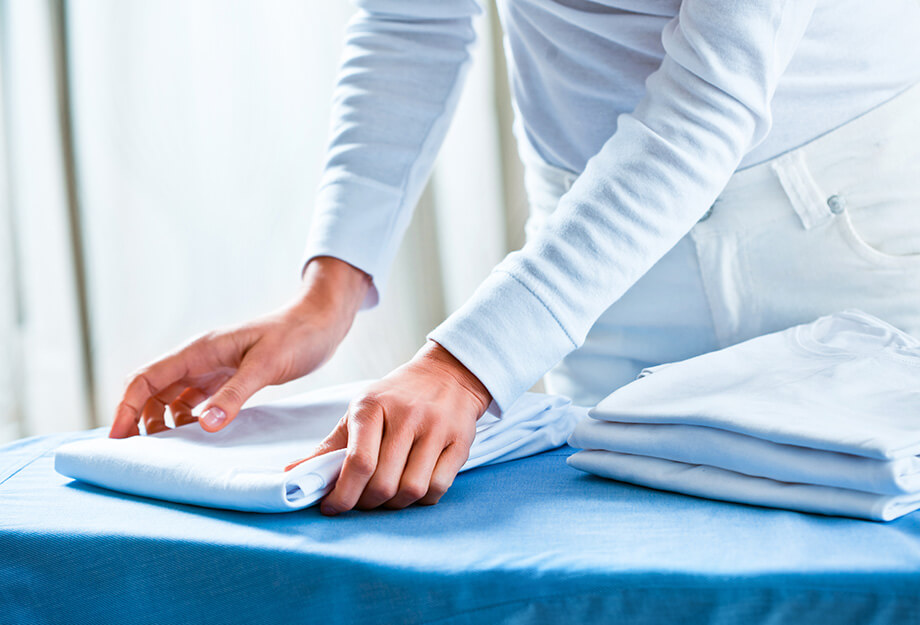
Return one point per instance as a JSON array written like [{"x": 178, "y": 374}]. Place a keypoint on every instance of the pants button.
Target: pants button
[{"x": 836, "y": 204}]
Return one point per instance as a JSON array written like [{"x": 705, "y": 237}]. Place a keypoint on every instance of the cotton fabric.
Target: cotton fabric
[
  {"x": 832, "y": 225},
  {"x": 241, "y": 467},
  {"x": 698, "y": 445},
  {"x": 822, "y": 417},
  {"x": 653, "y": 105}
]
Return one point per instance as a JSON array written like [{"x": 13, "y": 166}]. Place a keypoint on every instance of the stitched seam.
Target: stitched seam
[{"x": 542, "y": 303}]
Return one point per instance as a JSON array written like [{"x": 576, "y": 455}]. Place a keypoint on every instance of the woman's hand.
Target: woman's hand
[
  {"x": 227, "y": 367},
  {"x": 407, "y": 436}
]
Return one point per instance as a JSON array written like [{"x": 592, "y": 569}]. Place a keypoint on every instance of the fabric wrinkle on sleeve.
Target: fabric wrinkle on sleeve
[
  {"x": 403, "y": 67},
  {"x": 705, "y": 107}
]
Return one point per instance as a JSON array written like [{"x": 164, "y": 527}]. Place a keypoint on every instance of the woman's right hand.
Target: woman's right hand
[{"x": 225, "y": 368}]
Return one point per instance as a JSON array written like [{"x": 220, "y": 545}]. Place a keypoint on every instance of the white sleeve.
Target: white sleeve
[
  {"x": 704, "y": 108},
  {"x": 398, "y": 86}
]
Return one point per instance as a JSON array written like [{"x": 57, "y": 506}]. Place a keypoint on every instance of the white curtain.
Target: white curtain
[
  {"x": 198, "y": 135},
  {"x": 43, "y": 364}
]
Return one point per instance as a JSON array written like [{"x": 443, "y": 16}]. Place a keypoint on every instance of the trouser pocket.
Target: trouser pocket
[{"x": 806, "y": 243}]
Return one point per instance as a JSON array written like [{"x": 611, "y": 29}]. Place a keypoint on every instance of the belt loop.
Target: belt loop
[{"x": 803, "y": 192}]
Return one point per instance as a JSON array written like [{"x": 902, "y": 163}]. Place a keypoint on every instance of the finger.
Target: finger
[
  {"x": 416, "y": 477},
  {"x": 154, "y": 411},
  {"x": 365, "y": 429},
  {"x": 183, "y": 405},
  {"x": 153, "y": 416},
  {"x": 449, "y": 464},
  {"x": 181, "y": 408},
  {"x": 337, "y": 439},
  {"x": 384, "y": 484},
  {"x": 141, "y": 387},
  {"x": 225, "y": 404},
  {"x": 210, "y": 355}
]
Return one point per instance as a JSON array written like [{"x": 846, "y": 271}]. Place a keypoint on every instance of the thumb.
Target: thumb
[
  {"x": 337, "y": 439},
  {"x": 225, "y": 404}
]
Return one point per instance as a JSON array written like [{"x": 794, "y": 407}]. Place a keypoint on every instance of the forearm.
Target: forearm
[
  {"x": 400, "y": 80},
  {"x": 705, "y": 107}
]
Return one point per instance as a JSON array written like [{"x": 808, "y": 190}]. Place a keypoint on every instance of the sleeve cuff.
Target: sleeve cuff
[
  {"x": 506, "y": 336},
  {"x": 353, "y": 222}
]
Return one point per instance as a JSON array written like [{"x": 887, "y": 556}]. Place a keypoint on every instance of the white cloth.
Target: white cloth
[
  {"x": 829, "y": 226},
  {"x": 754, "y": 456},
  {"x": 653, "y": 104},
  {"x": 242, "y": 466},
  {"x": 822, "y": 417},
  {"x": 716, "y": 483}
]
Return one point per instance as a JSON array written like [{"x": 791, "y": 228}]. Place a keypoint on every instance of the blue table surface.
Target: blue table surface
[{"x": 528, "y": 541}]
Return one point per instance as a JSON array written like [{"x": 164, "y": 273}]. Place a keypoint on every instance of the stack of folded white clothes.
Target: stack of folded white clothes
[
  {"x": 823, "y": 417},
  {"x": 241, "y": 467}
]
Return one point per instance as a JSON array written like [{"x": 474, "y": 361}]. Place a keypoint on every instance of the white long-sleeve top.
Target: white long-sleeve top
[{"x": 655, "y": 102}]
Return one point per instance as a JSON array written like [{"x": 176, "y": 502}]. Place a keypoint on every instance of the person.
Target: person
[{"x": 699, "y": 172}]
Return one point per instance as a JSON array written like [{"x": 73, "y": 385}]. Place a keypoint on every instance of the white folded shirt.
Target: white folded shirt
[
  {"x": 693, "y": 444},
  {"x": 833, "y": 405},
  {"x": 715, "y": 483},
  {"x": 241, "y": 467}
]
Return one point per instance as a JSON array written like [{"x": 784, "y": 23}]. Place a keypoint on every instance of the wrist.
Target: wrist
[
  {"x": 332, "y": 289},
  {"x": 436, "y": 355}
]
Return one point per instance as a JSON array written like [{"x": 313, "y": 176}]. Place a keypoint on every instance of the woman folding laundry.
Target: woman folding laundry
[{"x": 699, "y": 173}]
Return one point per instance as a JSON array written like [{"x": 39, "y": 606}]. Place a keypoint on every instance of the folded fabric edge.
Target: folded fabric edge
[
  {"x": 900, "y": 476},
  {"x": 308, "y": 482},
  {"x": 873, "y": 507},
  {"x": 809, "y": 442}
]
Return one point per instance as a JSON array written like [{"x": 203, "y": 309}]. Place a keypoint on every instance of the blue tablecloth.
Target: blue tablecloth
[{"x": 529, "y": 541}]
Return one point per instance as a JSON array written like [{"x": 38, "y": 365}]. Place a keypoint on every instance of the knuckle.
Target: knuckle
[
  {"x": 414, "y": 417},
  {"x": 380, "y": 492},
  {"x": 141, "y": 382},
  {"x": 443, "y": 431},
  {"x": 439, "y": 486},
  {"x": 233, "y": 394},
  {"x": 415, "y": 422},
  {"x": 367, "y": 402},
  {"x": 181, "y": 405},
  {"x": 178, "y": 410},
  {"x": 412, "y": 491},
  {"x": 403, "y": 428},
  {"x": 361, "y": 463},
  {"x": 461, "y": 434},
  {"x": 323, "y": 447},
  {"x": 132, "y": 377},
  {"x": 460, "y": 444}
]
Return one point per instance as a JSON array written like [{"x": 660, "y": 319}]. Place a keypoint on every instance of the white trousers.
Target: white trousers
[{"x": 831, "y": 225}]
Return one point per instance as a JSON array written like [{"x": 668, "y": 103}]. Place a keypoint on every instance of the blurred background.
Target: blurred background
[{"x": 158, "y": 162}]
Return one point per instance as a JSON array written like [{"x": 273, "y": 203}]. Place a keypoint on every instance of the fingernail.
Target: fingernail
[{"x": 213, "y": 417}]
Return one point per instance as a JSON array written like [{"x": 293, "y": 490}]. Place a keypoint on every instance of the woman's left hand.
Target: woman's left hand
[{"x": 407, "y": 436}]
